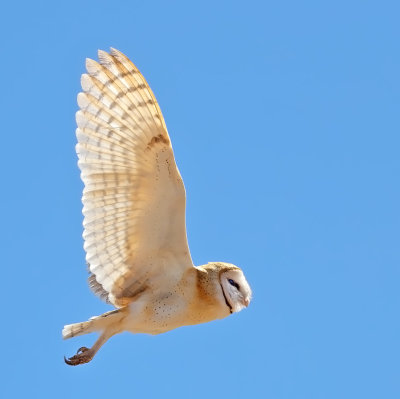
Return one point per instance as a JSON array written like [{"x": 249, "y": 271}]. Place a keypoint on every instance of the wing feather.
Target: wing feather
[{"x": 134, "y": 198}]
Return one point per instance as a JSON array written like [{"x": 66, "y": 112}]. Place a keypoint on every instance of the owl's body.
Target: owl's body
[
  {"x": 196, "y": 298},
  {"x": 134, "y": 208}
]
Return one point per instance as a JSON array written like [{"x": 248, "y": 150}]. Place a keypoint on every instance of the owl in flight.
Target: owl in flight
[{"x": 134, "y": 216}]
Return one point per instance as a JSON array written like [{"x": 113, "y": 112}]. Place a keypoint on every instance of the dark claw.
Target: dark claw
[
  {"x": 68, "y": 361},
  {"x": 81, "y": 350}
]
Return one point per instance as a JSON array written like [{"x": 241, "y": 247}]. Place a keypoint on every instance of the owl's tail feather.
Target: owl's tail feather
[{"x": 97, "y": 323}]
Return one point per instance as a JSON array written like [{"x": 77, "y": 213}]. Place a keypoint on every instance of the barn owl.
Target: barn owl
[{"x": 134, "y": 216}]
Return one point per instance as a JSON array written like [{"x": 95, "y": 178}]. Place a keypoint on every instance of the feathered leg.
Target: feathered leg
[{"x": 109, "y": 324}]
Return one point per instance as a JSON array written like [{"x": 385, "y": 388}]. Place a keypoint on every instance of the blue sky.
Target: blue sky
[{"x": 284, "y": 117}]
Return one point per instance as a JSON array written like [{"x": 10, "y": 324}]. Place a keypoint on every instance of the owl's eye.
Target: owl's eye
[{"x": 233, "y": 282}]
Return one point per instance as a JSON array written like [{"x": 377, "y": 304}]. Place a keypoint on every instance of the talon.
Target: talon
[
  {"x": 82, "y": 356},
  {"x": 68, "y": 361}
]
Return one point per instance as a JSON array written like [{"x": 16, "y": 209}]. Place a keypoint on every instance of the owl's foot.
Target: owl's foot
[{"x": 83, "y": 355}]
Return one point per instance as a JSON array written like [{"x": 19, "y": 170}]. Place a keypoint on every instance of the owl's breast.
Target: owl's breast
[{"x": 190, "y": 301}]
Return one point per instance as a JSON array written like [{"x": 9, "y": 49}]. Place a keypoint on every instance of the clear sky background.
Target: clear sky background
[{"x": 284, "y": 117}]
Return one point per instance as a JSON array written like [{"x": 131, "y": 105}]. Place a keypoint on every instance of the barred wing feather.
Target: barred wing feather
[{"x": 134, "y": 197}]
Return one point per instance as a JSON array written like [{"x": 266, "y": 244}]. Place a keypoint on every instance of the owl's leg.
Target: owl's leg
[{"x": 85, "y": 355}]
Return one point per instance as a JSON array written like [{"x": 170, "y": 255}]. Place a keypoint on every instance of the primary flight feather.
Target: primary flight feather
[{"x": 134, "y": 215}]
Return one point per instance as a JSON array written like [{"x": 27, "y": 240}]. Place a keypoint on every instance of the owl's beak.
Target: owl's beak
[{"x": 246, "y": 302}]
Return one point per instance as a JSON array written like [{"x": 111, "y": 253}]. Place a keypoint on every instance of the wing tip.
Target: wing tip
[
  {"x": 104, "y": 58},
  {"x": 92, "y": 67}
]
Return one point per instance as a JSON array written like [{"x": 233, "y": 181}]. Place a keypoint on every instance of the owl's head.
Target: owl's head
[{"x": 235, "y": 288}]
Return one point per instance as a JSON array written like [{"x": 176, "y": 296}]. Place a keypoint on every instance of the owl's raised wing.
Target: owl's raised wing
[{"x": 134, "y": 197}]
